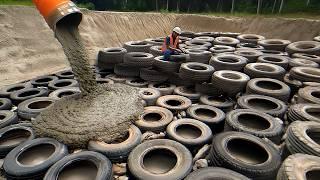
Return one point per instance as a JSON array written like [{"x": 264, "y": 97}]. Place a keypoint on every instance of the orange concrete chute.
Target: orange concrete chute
[{"x": 59, "y": 11}]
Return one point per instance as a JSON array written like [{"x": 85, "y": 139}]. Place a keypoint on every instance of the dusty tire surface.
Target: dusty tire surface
[
  {"x": 187, "y": 91},
  {"x": 215, "y": 173},
  {"x": 224, "y": 103},
  {"x": 62, "y": 83},
  {"x": 164, "y": 88},
  {"x": 310, "y": 57},
  {"x": 59, "y": 93},
  {"x": 42, "y": 81},
  {"x": 307, "y": 47},
  {"x": 306, "y": 74},
  {"x": 250, "y": 38},
  {"x": 152, "y": 75},
  {"x": 28, "y": 93},
  {"x": 264, "y": 70},
  {"x": 274, "y": 44},
  {"x": 126, "y": 70},
  {"x": 5, "y": 104},
  {"x": 8, "y": 90},
  {"x": 66, "y": 74},
  {"x": 149, "y": 95},
  {"x": 304, "y": 112},
  {"x": 165, "y": 66},
  {"x": 139, "y": 59},
  {"x": 197, "y": 72},
  {"x": 282, "y": 61},
  {"x": 251, "y": 54},
  {"x": 174, "y": 102},
  {"x": 137, "y": 46},
  {"x": 309, "y": 94},
  {"x": 7, "y": 118},
  {"x": 228, "y": 62},
  {"x": 31, "y": 108}
]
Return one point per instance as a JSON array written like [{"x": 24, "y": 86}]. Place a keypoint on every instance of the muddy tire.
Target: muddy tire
[
  {"x": 209, "y": 115},
  {"x": 200, "y": 56},
  {"x": 165, "y": 66},
  {"x": 18, "y": 165},
  {"x": 231, "y": 150},
  {"x": 84, "y": 159},
  {"x": 137, "y": 46},
  {"x": 264, "y": 70},
  {"x": 5, "y": 104},
  {"x": 226, "y": 41},
  {"x": 7, "y": 118},
  {"x": 230, "y": 82},
  {"x": 174, "y": 102},
  {"x": 150, "y": 95},
  {"x": 66, "y": 74},
  {"x": 306, "y": 74},
  {"x": 197, "y": 72},
  {"x": 32, "y": 107},
  {"x": 266, "y": 104},
  {"x": 152, "y": 75},
  {"x": 43, "y": 81},
  {"x": 16, "y": 132},
  {"x": 57, "y": 94},
  {"x": 250, "y": 38},
  {"x": 228, "y": 62},
  {"x": 309, "y": 95},
  {"x": 189, "y": 132},
  {"x": 164, "y": 88},
  {"x": 136, "y": 82},
  {"x": 8, "y": 90},
  {"x": 139, "y": 59},
  {"x": 207, "y": 89},
  {"x": 223, "y": 103},
  {"x": 154, "y": 119},
  {"x": 28, "y": 93},
  {"x": 62, "y": 83},
  {"x": 216, "y": 49},
  {"x": 306, "y": 47},
  {"x": 156, "y": 51},
  {"x": 269, "y": 87},
  {"x": 310, "y": 57},
  {"x": 126, "y": 70},
  {"x": 299, "y": 165},
  {"x": 149, "y": 152},
  {"x": 118, "y": 151},
  {"x": 215, "y": 173},
  {"x": 302, "y": 138},
  {"x": 282, "y": 61},
  {"x": 295, "y": 62},
  {"x": 274, "y": 44},
  {"x": 251, "y": 54},
  {"x": 108, "y": 57},
  {"x": 304, "y": 112},
  {"x": 254, "y": 122},
  {"x": 188, "y": 92}
]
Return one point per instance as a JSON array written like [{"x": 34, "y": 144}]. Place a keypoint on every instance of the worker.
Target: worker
[{"x": 171, "y": 44}]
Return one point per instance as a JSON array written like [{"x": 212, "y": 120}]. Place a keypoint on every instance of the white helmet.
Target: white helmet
[{"x": 177, "y": 30}]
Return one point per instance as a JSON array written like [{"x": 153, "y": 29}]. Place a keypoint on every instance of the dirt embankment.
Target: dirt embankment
[{"x": 28, "y": 47}]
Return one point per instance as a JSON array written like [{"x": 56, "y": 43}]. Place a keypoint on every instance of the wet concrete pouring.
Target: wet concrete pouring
[{"x": 101, "y": 112}]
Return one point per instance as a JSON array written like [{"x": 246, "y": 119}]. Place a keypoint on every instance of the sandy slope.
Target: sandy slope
[{"x": 28, "y": 47}]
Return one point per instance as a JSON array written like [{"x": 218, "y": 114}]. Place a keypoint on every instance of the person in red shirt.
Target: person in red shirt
[{"x": 171, "y": 44}]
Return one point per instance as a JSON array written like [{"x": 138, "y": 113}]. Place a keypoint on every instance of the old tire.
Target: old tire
[
  {"x": 5, "y": 104},
  {"x": 228, "y": 62},
  {"x": 264, "y": 70},
  {"x": 7, "y": 118},
  {"x": 33, "y": 107},
  {"x": 137, "y": 46},
  {"x": 282, "y": 61},
  {"x": 126, "y": 70},
  {"x": 139, "y": 59},
  {"x": 307, "y": 47},
  {"x": 224, "y": 103},
  {"x": 165, "y": 66},
  {"x": 150, "y": 95},
  {"x": 59, "y": 93},
  {"x": 309, "y": 94},
  {"x": 250, "y": 38},
  {"x": 163, "y": 88},
  {"x": 8, "y": 90},
  {"x": 304, "y": 112},
  {"x": 28, "y": 93},
  {"x": 152, "y": 75},
  {"x": 174, "y": 102},
  {"x": 187, "y": 91},
  {"x": 274, "y": 44},
  {"x": 43, "y": 81},
  {"x": 215, "y": 173},
  {"x": 66, "y": 74},
  {"x": 197, "y": 72},
  {"x": 306, "y": 74},
  {"x": 63, "y": 83}
]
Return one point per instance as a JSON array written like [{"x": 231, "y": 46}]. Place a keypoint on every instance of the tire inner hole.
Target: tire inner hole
[
  {"x": 29, "y": 93},
  {"x": 228, "y": 60},
  {"x": 14, "y": 137},
  {"x": 269, "y": 85},
  {"x": 262, "y": 104},
  {"x": 196, "y": 67},
  {"x": 68, "y": 73},
  {"x": 63, "y": 84},
  {"x": 316, "y": 94},
  {"x": 205, "y": 113},
  {"x": 314, "y": 135},
  {"x": 36, "y": 155},
  {"x": 313, "y": 174},
  {"x": 43, "y": 80},
  {"x": 315, "y": 112},
  {"x": 253, "y": 121},
  {"x": 231, "y": 76},
  {"x": 66, "y": 93},
  {"x": 159, "y": 161},
  {"x": 152, "y": 117},
  {"x": 40, "y": 104},
  {"x": 264, "y": 68},
  {"x": 173, "y": 102},
  {"x": 272, "y": 59},
  {"x": 15, "y": 88},
  {"x": 79, "y": 170},
  {"x": 188, "y": 131}
]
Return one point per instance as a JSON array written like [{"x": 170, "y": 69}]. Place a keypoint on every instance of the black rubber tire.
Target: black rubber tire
[
  {"x": 251, "y": 54},
  {"x": 155, "y": 41},
  {"x": 28, "y": 93},
  {"x": 137, "y": 46},
  {"x": 302, "y": 137},
  {"x": 216, "y": 49},
  {"x": 200, "y": 56},
  {"x": 33, "y": 107},
  {"x": 66, "y": 74},
  {"x": 209, "y": 115},
  {"x": 207, "y": 89},
  {"x": 5, "y": 104},
  {"x": 228, "y": 34},
  {"x": 256, "y": 123},
  {"x": 309, "y": 94},
  {"x": 149, "y": 95},
  {"x": 305, "y": 74},
  {"x": 266, "y": 104},
  {"x": 282, "y": 61},
  {"x": 8, "y": 90},
  {"x": 177, "y": 130},
  {"x": 187, "y": 91},
  {"x": 299, "y": 165},
  {"x": 140, "y": 170},
  {"x": 226, "y": 41},
  {"x": 310, "y": 57},
  {"x": 118, "y": 151},
  {"x": 126, "y": 70},
  {"x": 103, "y": 165},
  {"x": 269, "y": 87},
  {"x": 197, "y": 72},
  {"x": 220, "y": 102},
  {"x": 264, "y": 70},
  {"x": 204, "y": 38},
  {"x": 7, "y": 118},
  {"x": 307, "y": 47},
  {"x": 108, "y": 57},
  {"x": 139, "y": 59},
  {"x": 63, "y": 83},
  {"x": 16, "y": 169},
  {"x": 250, "y": 46},
  {"x": 274, "y": 44},
  {"x": 102, "y": 73},
  {"x": 196, "y": 47},
  {"x": 117, "y": 78},
  {"x": 250, "y": 38},
  {"x": 57, "y": 94},
  {"x": 156, "y": 50},
  {"x": 304, "y": 112},
  {"x": 215, "y": 173},
  {"x": 231, "y": 150},
  {"x": 179, "y": 103},
  {"x": 294, "y": 84},
  {"x": 165, "y": 66},
  {"x": 163, "y": 88},
  {"x": 229, "y": 82},
  {"x": 208, "y": 34},
  {"x": 152, "y": 75},
  {"x": 42, "y": 81},
  {"x": 295, "y": 62},
  {"x": 195, "y": 42},
  {"x": 136, "y": 82},
  {"x": 12, "y": 132},
  {"x": 274, "y": 53},
  {"x": 228, "y": 62},
  {"x": 174, "y": 78},
  {"x": 188, "y": 34},
  {"x": 154, "y": 119}
]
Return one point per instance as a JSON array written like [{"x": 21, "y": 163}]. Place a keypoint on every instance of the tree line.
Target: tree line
[{"x": 206, "y": 6}]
